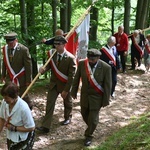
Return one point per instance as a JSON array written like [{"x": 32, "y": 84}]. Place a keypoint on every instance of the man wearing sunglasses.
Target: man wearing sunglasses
[
  {"x": 62, "y": 66},
  {"x": 17, "y": 66}
]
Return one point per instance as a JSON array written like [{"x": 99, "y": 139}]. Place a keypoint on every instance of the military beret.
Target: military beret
[
  {"x": 10, "y": 36},
  {"x": 60, "y": 38},
  {"x": 93, "y": 52}
]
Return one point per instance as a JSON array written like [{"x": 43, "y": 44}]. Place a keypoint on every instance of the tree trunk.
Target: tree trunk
[
  {"x": 148, "y": 16},
  {"x": 54, "y": 14},
  {"x": 31, "y": 30},
  {"x": 138, "y": 13},
  {"x": 43, "y": 49},
  {"x": 141, "y": 14},
  {"x": 112, "y": 19},
  {"x": 23, "y": 17},
  {"x": 64, "y": 15},
  {"x": 127, "y": 6},
  {"x": 144, "y": 14},
  {"x": 94, "y": 23},
  {"x": 69, "y": 15}
]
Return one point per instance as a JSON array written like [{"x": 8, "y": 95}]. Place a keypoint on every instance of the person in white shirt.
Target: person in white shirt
[
  {"x": 16, "y": 117},
  {"x": 110, "y": 56}
]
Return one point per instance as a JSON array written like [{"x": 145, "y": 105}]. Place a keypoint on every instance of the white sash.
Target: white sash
[
  {"x": 147, "y": 46},
  {"x": 109, "y": 55},
  {"x": 59, "y": 74},
  {"x": 137, "y": 46},
  {"x": 11, "y": 72},
  {"x": 92, "y": 80}
]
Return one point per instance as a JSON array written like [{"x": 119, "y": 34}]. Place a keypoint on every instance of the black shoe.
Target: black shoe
[
  {"x": 42, "y": 129},
  {"x": 88, "y": 142},
  {"x": 66, "y": 122}
]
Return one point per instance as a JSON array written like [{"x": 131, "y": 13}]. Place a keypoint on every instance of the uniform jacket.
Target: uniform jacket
[
  {"x": 67, "y": 66},
  {"x": 21, "y": 59},
  {"x": 89, "y": 96}
]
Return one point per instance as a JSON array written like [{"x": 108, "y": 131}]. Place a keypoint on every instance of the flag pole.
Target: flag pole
[
  {"x": 146, "y": 29},
  {"x": 66, "y": 37},
  {"x": 36, "y": 77},
  {"x": 141, "y": 30},
  {"x": 79, "y": 22},
  {"x": 80, "y": 19}
]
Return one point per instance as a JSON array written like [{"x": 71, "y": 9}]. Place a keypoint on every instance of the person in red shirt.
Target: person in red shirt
[{"x": 122, "y": 46}]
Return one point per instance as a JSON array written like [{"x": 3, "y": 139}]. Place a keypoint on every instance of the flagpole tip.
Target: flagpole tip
[{"x": 93, "y": 1}]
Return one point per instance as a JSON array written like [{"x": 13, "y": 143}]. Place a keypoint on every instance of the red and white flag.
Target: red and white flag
[
  {"x": 72, "y": 43},
  {"x": 78, "y": 41}
]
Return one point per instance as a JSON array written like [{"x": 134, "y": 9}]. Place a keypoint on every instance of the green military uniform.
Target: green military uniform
[
  {"x": 67, "y": 67},
  {"x": 14, "y": 60},
  {"x": 90, "y": 100}
]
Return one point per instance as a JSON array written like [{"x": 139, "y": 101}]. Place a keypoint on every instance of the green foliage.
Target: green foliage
[
  {"x": 9, "y": 13},
  {"x": 95, "y": 44},
  {"x": 10, "y": 19},
  {"x": 81, "y": 4},
  {"x": 132, "y": 137},
  {"x": 109, "y": 4}
]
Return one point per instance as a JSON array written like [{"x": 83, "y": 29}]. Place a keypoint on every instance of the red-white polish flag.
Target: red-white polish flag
[{"x": 78, "y": 41}]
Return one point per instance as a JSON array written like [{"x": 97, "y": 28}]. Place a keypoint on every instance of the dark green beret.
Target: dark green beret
[
  {"x": 93, "y": 52},
  {"x": 60, "y": 38},
  {"x": 10, "y": 36}
]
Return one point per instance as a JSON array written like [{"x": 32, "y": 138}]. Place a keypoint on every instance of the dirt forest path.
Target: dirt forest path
[{"x": 132, "y": 99}]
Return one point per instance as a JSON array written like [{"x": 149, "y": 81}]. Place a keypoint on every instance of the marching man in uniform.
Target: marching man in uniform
[
  {"x": 62, "y": 67},
  {"x": 95, "y": 91},
  {"x": 17, "y": 66}
]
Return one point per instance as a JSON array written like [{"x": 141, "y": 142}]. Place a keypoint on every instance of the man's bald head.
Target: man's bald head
[{"x": 59, "y": 32}]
